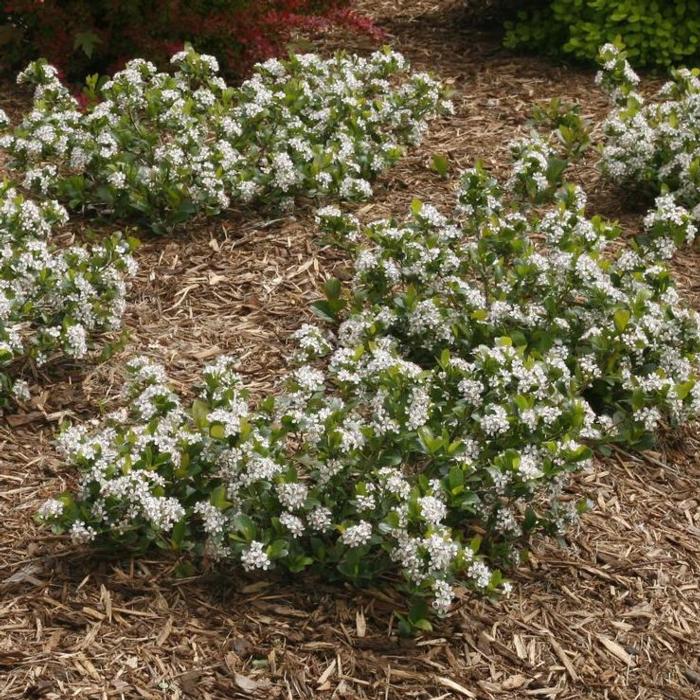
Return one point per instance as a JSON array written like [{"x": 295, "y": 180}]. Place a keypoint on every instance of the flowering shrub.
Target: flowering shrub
[
  {"x": 429, "y": 431},
  {"x": 88, "y": 36},
  {"x": 611, "y": 321},
  {"x": 653, "y": 146},
  {"x": 560, "y": 135},
  {"x": 164, "y": 147},
  {"x": 657, "y": 33},
  {"x": 52, "y": 301},
  {"x": 566, "y": 124}
]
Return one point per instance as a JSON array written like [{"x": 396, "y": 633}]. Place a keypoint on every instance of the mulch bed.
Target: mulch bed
[{"x": 610, "y": 612}]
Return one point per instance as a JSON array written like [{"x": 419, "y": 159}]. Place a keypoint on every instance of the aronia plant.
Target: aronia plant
[
  {"x": 163, "y": 147},
  {"x": 429, "y": 427},
  {"x": 53, "y": 300},
  {"x": 652, "y": 146}
]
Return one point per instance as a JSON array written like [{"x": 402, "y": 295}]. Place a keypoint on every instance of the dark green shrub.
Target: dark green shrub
[{"x": 655, "y": 32}]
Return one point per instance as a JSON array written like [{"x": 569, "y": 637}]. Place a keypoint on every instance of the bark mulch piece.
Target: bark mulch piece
[{"x": 610, "y": 612}]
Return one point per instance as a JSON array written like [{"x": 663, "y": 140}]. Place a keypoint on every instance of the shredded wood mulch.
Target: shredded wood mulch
[{"x": 610, "y": 612}]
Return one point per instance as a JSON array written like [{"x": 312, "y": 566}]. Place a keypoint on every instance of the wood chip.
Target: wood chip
[
  {"x": 614, "y": 648},
  {"x": 449, "y": 683},
  {"x": 563, "y": 657}
]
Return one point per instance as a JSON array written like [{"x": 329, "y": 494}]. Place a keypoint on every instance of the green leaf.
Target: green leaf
[
  {"x": 445, "y": 358},
  {"x": 299, "y": 563},
  {"x": 621, "y": 318},
  {"x": 185, "y": 569},
  {"x": 277, "y": 549},
  {"x": 87, "y": 42},
  {"x": 217, "y": 431},
  {"x": 455, "y": 478},
  {"x": 328, "y": 309},
  {"x": 430, "y": 443},
  {"x": 332, "y": 288},
  {"x": 178, "y": 533},
  {"x": 555, "y": 169},
  {"x": 423, "y": 624},
  {"x": 684, "y": 388},
  {"x": 200, "y": 412},
  {"x": 218, "y": 498},
  {"x": 441, "y": 165},
  {"x": 245, "y": 526}
]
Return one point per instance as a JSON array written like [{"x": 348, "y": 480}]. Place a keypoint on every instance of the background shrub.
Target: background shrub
[
  {"x": 165, "y": 146},
  {"x": 89, "y": 36},
  {"x": 53, "y": 302},
  {"x": 652, "y": 145},
  {"x": 656, "y": 32}
]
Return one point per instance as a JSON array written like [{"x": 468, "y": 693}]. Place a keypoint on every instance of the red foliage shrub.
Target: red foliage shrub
[{"x": 98, "y": 36}]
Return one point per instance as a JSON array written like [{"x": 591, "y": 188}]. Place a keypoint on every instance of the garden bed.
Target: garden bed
[{"x": 611, "y": 612}]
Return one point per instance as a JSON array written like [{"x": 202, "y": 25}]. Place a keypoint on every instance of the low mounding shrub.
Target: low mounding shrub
[
  {"x": 652, "y": 146},
  {"x": 430, "y": 428},
  {"x": 52, "y": 301},
  {"x": 164, "y": 147},
  {"x": 98, "y": 36},
  {"x": 657, "y": 33}
]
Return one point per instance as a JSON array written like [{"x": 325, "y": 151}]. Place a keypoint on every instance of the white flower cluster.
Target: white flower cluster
[
  {"x": 652, "y": 145},
  {"x": 52, "y": 300},
  {"x": 605, "y": 319},
  {"x": 165, "y": 146},
  {"x": 534, "y": 173}
]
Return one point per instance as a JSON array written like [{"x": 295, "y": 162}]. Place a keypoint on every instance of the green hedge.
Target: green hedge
[{"x": 655, "y": 32}]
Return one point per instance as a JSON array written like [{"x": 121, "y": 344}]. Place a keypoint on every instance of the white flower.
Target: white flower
[
  {"x": 213, "y": 519},
  {"x": 51, "y": 509},
  {"x": 117, "y": 180},
  {"x": 443, "y": 596},
  {"x": 479, "y": 573},
  {"x": 432, "y": 509},
  {"x": 52, "y": 298},
  {"x": 495, "y": 421},
  {"x": 20, "y": 390},
  {"x": 77, "y": 341},
  {"x": 418, "y": 408},
  {"x": 81, "y": 533},
  {"x": 292, "y": 495},
  {"x": 357, "y": 535},
  {"x": 255, "y": 557},
  {"x": 293, "y": 523},
  {"x": 320, "y": 519}
]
